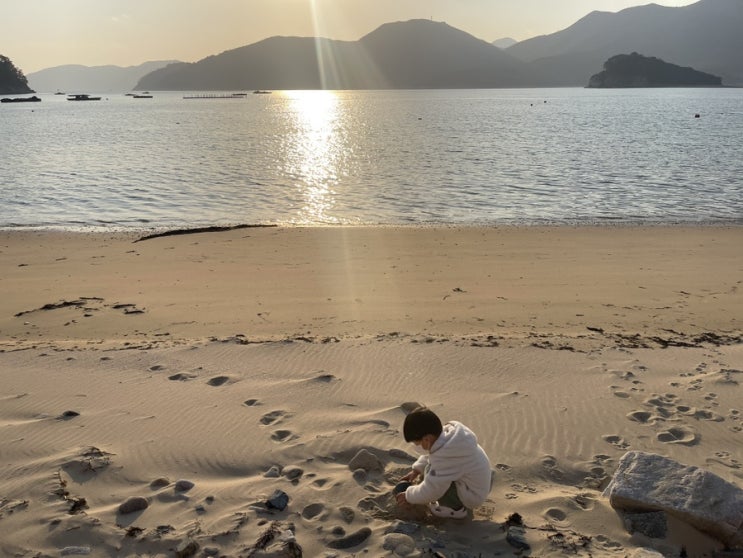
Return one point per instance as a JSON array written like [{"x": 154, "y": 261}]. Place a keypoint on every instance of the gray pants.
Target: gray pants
[{"x": 450, "y": 499}]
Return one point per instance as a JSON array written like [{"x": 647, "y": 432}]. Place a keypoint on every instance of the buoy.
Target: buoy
[{"x": 696, "y": 115}]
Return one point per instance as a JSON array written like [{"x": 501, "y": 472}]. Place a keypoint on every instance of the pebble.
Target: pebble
[
  {"x": 400, "y": 544},
  {"x": 133, "y": 504},
  {"x": 360, "y": 475},
  {"x": 516, "y": 537},
  {"x": 278, "y": 500},
  {"x": 405, "y": 527},
  {"x": 292, "y": 473},
  {"x": 272, "y": 473}
]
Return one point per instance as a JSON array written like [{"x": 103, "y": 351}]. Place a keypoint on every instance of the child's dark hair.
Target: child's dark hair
[{"x": 420, "y": 422}]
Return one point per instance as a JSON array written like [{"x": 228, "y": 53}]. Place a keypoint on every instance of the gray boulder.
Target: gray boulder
[
  {"x": 650, "y": 482},
  {"x": 364, "y": 459}
]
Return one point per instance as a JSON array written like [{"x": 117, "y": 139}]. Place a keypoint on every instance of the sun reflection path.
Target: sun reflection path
[{"x": 316, "y": 152}]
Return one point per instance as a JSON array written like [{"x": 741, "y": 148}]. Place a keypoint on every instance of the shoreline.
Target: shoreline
[
  {"x": 585, "y": 284},
  {"x": 202, "y": 372},
  {"x": 194, "y": 228}
]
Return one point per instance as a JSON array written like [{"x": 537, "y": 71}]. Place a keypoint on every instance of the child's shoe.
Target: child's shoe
[{"x": 448, "y": 513}]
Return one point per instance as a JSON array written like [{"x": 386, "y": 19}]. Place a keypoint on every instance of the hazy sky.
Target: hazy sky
[{"x": 42, "y": 33}]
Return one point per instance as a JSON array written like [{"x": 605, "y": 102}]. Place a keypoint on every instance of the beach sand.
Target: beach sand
[{"x": 200, "y": 373}]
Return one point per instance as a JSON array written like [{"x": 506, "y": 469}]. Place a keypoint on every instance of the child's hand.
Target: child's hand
[
  {"x": 401, "y": 499},
  {"x": 411, "y": 476}
]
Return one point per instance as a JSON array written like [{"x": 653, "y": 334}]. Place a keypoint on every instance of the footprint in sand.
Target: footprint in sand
[
  {"x": 251, "y": 402},
  {"x": 604, "y": 542},
  {"x": 324, "y": 378},
  {"x": 643, "y": 417},
  {"x": 181, "y": 377},
  {"x": 524, "y": 488},
  {"x": 616, "y": 441},
  {"x": 596, "y": 475},
  {"x": 679, "y": 435},
  {"x": 726, "y": 459},
  {"x": 585, "y": 501},
  {"x": 283, "y": 436},
  {"x": 556, "y": 516},
  {"x": 218, "y": 381},
  {"x": 274, "y": 417},
  {"x": 695, "y": 385},
  {"x": 735, "y": 416},
  {"x": 703, "y": 414},
  {"x": 728, "y": 376},
  {"x": 549, "y": 463},
  {"x": 313, "y": 511}
]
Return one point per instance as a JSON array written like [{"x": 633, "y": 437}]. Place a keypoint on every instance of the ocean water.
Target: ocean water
[{"x": 477, "y": 157}]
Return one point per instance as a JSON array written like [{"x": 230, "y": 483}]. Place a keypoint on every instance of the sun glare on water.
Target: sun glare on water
[{"x": 316, "y": 151}]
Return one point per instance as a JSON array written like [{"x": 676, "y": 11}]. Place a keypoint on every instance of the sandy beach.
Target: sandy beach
[{"x": 197, "y": 374}]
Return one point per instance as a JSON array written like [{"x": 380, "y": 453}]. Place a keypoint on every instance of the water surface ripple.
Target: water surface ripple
[{"x": 367, "y": 157}]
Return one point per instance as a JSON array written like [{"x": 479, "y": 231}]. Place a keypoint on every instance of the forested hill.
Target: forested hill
[
  {"x": 635, "y": 70},
  {"x": 12, "y": 80}
]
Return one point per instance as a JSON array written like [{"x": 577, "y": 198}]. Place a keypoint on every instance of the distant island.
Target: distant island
[
  {"x": 636, "y": 70},
  {"x": 12, "y": 80},
  {"x": 99, "y": 79}
]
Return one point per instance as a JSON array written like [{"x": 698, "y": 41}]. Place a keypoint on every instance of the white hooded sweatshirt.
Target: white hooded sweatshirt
[{"x": 454, "y": 457}]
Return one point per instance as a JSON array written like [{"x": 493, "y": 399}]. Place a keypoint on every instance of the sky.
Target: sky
[{"x": 40, "y": 34}]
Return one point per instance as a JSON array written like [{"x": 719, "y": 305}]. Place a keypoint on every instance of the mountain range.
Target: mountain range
[
  {"x": 426, "y": 54},
  {"x": 97, "y": 79},
  {"x": 706, "y": 35},
  {"x": 405, "y": 55}
]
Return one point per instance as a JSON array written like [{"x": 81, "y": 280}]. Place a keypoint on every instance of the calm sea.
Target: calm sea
[{"x": 365, "y": 157}]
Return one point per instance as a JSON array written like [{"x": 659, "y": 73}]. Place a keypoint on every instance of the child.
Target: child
[{"x": 456, "y": 471}]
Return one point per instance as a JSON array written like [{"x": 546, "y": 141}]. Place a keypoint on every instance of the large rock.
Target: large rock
[
  {"x": 364, "y": 459},
  {"x": 649, "y": 482}
]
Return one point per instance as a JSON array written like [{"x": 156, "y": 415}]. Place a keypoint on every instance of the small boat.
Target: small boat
[
  {"x": 33, "y": 99},
  {"x": 142, "y": 96},
  {"x": 59, "y": 92},
  {"x": 82, "y": 98},
  {"x": 261, "y": 92}
]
